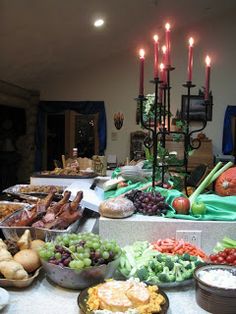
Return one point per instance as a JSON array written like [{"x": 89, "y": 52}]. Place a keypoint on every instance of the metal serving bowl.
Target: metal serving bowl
[
  {"x": 212, "y": 298},
  {"x": 73, "y": 279}
]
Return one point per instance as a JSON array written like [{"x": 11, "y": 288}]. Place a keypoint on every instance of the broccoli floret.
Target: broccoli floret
[
  {"x": 199, "y": 263},
  {"x": 189, "y": 266},
  {"x": 142, "y": 273},
  {"x": 160, "y": 258},
  {"x": 178, "y": 271},
  {"x": 172, "y": 277},
  {"x": 193, "y": 258},
  {"x": 156, "y": 266},
  {"x": 186, "y": 264},
  {"x": 186, "y": 257},
  {"x": 169, "y": 264},
  {"x": 188, "y": 274},
  {"x": 164, "y": 276}
]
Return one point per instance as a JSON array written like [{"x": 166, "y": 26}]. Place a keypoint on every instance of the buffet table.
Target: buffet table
[{"x": 45, "y": 297}]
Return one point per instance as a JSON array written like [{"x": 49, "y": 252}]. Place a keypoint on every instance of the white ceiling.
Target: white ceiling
[{"x": 41, "y": 39}]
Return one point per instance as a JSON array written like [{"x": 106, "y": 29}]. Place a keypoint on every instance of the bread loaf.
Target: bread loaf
[{"x": 116, "y": 208}]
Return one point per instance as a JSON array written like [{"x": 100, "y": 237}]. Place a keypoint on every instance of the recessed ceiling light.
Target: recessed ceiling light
[{"x": 98, "y": 23}]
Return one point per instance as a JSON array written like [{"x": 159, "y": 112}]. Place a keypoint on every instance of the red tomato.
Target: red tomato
[
  {"x": 181, "y": 205},
  {"x": 229, "y": 259},
  {"x": 220, "y": 260},
  {"x": 223, "y": 254},
  {"x": 213, "y": 257}
]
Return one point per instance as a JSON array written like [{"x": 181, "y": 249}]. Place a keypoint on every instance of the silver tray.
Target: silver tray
[
  {"x": 20, "y": 204},
  {"x": 14, "y": 233},
  {"x": 63, "y": 176},
  {"x": 15, "y": 190}
]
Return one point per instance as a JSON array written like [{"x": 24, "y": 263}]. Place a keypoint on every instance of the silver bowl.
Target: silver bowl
[{"x": 74, "y": 279}]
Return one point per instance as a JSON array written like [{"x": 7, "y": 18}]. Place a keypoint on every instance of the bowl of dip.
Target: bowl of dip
[{"x": 216, "y": 288}]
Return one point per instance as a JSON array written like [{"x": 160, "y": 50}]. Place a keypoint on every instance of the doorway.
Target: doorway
[
  {"x": 55, "y": 139},
  {"x": 89, "y": 117},
  {"x": 67, "y": 130}
]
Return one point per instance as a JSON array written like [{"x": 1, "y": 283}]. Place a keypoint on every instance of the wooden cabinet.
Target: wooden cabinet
[{"x": 202, "y": 155}]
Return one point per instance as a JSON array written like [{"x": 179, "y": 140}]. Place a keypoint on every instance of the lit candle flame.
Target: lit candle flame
[
  {"x": 208, "y": 61},
  {"x": 167, "y": 26},
  {"x": 191, "y": 41},
  {"x": 164, "y": 49},
  {"x": 162, "y": 66},
  {"x": 155, "y": 37},
  {"x": 141, "y": 53}
]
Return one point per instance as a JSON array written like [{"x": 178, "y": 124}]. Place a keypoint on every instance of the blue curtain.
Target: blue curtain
[
  {"x": 228, "y": 145},
  {"x": 83, "y": 107}
]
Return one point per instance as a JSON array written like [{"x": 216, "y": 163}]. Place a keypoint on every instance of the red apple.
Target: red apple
[{"x": 181, "y": 205}]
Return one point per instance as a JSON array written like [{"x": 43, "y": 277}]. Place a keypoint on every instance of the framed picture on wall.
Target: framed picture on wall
[{"x": 197, "y": 108}]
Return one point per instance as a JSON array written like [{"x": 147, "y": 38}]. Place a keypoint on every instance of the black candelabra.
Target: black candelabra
[{"x": 159, "y": 127}]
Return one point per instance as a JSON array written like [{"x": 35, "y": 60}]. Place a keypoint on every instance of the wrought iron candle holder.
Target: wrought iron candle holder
[{"x": 160, "y": 126}]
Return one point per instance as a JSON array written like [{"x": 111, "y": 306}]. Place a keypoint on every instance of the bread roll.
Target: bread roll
[
  {"x": 3, "y": 245},
  {"x": 5, "y": 255},
  {"x": 116, "y": 208},
  {"x": 29, "y": 259},
  {"x": 24, "y": 241},
  {"x": 13, "y": 270},
  {"x": 36, "y": 244}
]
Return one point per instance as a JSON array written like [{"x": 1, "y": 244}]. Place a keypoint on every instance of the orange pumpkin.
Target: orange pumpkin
[{"x": 226, "y": 183}]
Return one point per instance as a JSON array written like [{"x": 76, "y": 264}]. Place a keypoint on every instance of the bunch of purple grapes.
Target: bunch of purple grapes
[
  {"x": 148, "y": 203},
  {"x": 60, "y": 257}
]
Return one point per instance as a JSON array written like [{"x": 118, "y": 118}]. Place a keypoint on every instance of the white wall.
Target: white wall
[{"x": 115, "y": 80}]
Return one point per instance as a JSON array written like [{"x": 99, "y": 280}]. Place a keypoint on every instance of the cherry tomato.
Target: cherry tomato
[
  {"x": 213, "y": 257},
  {"x": 223, "y": 254},
  {"x": 220, "y": 259},
  {"x": 234, "y": 255},
  {"x": 229, "y": 259}
]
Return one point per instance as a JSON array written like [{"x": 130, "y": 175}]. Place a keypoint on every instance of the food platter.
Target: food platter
[
  {"x": 83, "y": 297},
  {"x": 14, "y": 233},
  {"x": 64, "y": 176},
  {"x": 27, "y": 191},
  {"x": 19, "y": 283},
  {"x": 7, "y": 208}
]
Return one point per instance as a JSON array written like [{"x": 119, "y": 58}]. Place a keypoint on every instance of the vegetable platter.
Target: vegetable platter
[{"x": 166, "y": 269}]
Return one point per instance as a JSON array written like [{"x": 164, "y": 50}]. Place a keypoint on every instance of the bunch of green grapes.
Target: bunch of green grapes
[{"x": 81, "y": 250}]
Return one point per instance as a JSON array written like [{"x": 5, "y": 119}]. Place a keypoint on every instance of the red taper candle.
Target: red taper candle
[
  {"x": 190, "y": 59},
  {"x": 141, "y": 81},
  {"x": 208, "y": 72},
  {"x": 162, "y": 73},
  {"x": 164, "y": 62},
  {"x": 167, "y": 27},
  {"x": 155, "y": 37}
]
